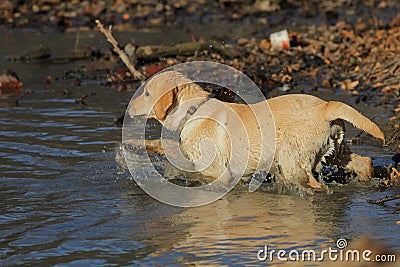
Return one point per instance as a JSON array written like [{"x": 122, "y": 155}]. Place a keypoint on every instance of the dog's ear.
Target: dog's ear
[{"x": 165, "y": 104}]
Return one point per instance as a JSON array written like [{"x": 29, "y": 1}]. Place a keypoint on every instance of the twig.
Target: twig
[
  {"x": 383, "y": 200},
  {"x": 121, "y": 53},
  {"x": 394, "y": 137}
]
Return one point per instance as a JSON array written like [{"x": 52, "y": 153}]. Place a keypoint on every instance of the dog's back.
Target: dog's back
[{"x": 308, "y": 107}]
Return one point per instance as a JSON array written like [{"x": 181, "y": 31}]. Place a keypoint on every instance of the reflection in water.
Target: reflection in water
[{"x": 232, "y": 230}]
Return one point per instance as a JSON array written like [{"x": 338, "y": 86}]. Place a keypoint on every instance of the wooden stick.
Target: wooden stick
[
  {"x": 383, "y": 200},
  {"x": 121, "y": 53},
  {"x": 153, "y": 52}
]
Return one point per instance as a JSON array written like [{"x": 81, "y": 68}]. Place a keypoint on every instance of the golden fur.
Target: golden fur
[{"x": 308, "y": 130}]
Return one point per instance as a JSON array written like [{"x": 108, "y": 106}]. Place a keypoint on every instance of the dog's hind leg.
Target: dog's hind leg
[{"x": 361, "y": 166}]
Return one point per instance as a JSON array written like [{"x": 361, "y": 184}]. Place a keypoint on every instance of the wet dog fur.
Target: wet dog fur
[{"x": 309, "y": 131}]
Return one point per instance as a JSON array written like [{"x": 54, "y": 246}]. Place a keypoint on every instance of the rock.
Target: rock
[{"x": 266, "y": 6}]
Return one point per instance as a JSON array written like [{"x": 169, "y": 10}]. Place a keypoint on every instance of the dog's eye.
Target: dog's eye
[{"x": 146, "y": 93}]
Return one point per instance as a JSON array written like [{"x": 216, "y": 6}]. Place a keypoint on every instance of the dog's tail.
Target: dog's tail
[{"x": 337, "y": 110}]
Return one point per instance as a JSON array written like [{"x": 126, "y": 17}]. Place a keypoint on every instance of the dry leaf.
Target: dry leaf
[
  {"x": 326, "y": 83},
  {"x": 340, "y": 24},
  {"x": 390, "y": 88},
  {"x": 378, "y": 84},
  {"x": 295, "y": 67},
  {"x": 242, "y": 41},
  {"x": 377, "y": 66},
  {"x": 286, "y": 78},
  {"x": 326, "y": 60},
  {"x": 348, "y": 84},
  {"x": 265, "y": 44},
  {"x": 395, "y": 173},
  {"x": 348, "y": 34}
]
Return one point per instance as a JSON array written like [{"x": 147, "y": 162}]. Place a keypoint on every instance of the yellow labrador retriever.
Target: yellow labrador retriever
[{"x": 309, "y": 131}]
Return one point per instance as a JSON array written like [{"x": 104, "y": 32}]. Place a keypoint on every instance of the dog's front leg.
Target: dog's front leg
[
  {"x": 152, "y": 146},
  {"x": 225, "y": 180},
  {"x": 310, "y": 179},
  {"x": 313, "y": 183}
]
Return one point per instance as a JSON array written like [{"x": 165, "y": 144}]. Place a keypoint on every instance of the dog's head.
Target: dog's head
[
  {"x": 162, "y": 93},
  {"x": 159, "y": 96}
]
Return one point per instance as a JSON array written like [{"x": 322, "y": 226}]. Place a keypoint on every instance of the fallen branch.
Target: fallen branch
[
  {"x": 121, "y": 53},
  {"x": 41, "y": 52},
  {"x": 385, "y": 199},
  {"x": 154, "y": 52},
  {"x": 76, "y": 55}
]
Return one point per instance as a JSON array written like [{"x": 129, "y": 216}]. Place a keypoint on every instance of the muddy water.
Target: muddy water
[{"x": 65, "y": 201}]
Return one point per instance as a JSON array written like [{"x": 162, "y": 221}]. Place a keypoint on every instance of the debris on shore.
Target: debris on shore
[{"x": 9, "y": 82}]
